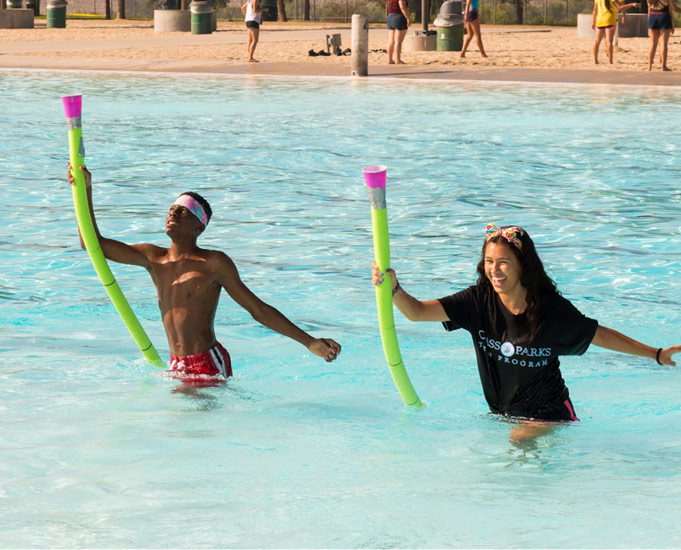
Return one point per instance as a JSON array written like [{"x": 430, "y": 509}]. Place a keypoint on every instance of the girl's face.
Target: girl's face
[{"x": 502, "y": 268}]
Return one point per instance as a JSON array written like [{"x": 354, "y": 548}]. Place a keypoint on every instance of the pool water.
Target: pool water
[{"x": 101, "y": 450}]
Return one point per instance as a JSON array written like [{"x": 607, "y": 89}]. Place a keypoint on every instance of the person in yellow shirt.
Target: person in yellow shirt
[{"x": 605, "y": 24}]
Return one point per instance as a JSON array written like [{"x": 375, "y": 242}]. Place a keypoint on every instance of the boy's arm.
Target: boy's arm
[
  {"x": 116, "y": 251},
  {"x": 228, "y": 278}
]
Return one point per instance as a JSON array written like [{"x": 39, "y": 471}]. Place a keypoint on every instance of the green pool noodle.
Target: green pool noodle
[
  {"x": 375, "y": 179},
  {"x": 73, "y": 109}
]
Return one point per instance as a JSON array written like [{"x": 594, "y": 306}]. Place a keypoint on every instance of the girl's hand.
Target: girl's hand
[
  {"x": 666, "y": 355},
  {"x": 377, "y": 276}
]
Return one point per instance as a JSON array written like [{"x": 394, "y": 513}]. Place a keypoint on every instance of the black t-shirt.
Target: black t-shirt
[{"x": 520, "y": 377}]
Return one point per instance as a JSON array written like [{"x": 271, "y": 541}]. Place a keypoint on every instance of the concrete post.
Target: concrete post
[
  {"x": 16, "y": 19},
  {"x": 360, "y": 45},
  {"x": 172, "y": 21}
]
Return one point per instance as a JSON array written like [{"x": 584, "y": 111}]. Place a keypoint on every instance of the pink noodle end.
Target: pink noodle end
[
  {"x": 73, "y": 105},
  {"x": 374, "y": 176}
]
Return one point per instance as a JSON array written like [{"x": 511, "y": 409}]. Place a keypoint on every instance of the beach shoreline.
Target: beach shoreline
[{"x": 516, "y": 53}]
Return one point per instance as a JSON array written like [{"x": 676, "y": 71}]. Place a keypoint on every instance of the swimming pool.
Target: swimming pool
[{"x": 99, "y": 450}]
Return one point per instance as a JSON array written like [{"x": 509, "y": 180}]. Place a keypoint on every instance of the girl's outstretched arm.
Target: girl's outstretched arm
[
  {"x": 611, "y": 339},
  {"x": 411, "y": 308},
  {"x": 622, "y": 7}
]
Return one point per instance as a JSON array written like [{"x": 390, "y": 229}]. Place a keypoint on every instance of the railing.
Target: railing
[{"x": 500, "y": 12}]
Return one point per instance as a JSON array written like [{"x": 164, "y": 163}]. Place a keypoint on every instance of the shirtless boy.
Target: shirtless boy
[{"x": 189, "y": 280}]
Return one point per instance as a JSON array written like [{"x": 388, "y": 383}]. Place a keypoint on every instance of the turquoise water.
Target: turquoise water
[{"x": 100, "y": 450}]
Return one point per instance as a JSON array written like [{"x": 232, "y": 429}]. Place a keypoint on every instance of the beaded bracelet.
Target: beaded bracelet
[
  {"x": 657, "y": 357},
  {"x": 397, "y": 287}
]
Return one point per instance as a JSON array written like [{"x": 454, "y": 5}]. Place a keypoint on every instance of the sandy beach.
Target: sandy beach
[{"x": 554, "y": 54}]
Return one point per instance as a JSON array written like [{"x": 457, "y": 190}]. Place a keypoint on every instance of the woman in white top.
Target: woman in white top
[{"x": 253, "y": 16}]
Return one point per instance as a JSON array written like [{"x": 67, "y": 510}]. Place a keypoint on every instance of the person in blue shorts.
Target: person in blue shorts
[
  {"x": 520, "y": 326},
  {"x": 397, "y": 19},
  {"x": 471, "y": 18},
  {"x": 660, "y": 26}
]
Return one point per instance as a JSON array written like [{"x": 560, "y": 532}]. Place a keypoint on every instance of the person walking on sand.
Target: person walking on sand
[
  {"x": 189, "y": 281},
  {"x": 660, "y": 25},
  {"x": 397, "y": 20},
  {"x": 520, "y": 325},
  {"x": 471, "y": 18},
  {"x": 604, "y": 22},
  {"x": 253, "y": 17}
]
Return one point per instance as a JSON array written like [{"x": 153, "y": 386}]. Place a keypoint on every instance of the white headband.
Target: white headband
[{"x": 194, "y": 207}]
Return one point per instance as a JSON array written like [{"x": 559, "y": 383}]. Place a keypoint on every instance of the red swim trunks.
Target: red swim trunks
[{"x": 214, "y": 362}]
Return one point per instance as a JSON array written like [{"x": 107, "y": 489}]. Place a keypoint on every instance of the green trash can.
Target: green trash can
[
  {"x": 450, "y": 39},
  {"x": 271, "y": 13},
  {"x": 202, "y": 17},
  {"x": 56, "y": 14}
]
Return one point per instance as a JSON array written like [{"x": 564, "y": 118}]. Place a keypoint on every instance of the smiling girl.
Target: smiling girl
[{"x": 520, "y": 326}]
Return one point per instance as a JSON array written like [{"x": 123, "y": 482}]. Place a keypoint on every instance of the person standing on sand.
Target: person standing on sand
[
  {"x": 189, "y": 281},
  {"x": 471, "y": 18},
  {"x": 253, "y": 17},
  {"x": 397, "y": 19},
  {"x": 604, "y": 22},
  {"x": 660, "y": 25}
]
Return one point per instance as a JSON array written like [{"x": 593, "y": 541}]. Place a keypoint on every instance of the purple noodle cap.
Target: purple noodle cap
[
  {"x": 374, "y": 176},
  {"x": 73, "y": 105}
]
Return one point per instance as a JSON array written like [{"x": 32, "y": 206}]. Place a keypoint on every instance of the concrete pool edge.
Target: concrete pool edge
[{"x": 292, "y": 70}]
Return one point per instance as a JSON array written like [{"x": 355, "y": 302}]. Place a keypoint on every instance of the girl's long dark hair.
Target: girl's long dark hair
[{"x": 533, "y": 277}]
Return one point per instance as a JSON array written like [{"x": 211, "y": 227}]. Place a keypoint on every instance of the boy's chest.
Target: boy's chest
[{"x": 183, "y": 281}]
